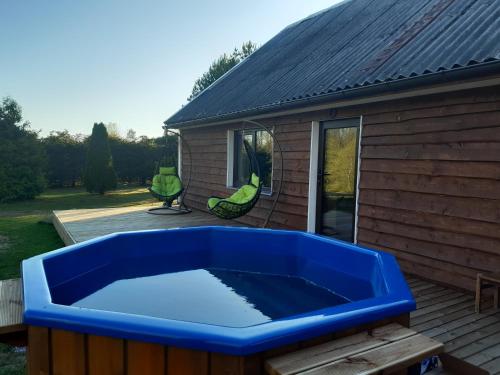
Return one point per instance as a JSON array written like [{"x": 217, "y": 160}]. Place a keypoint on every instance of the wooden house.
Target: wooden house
[{"x": 388, "y": 113}]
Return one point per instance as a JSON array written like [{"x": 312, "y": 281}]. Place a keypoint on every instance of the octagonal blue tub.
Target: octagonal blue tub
[{"x": 236, "y": 291}]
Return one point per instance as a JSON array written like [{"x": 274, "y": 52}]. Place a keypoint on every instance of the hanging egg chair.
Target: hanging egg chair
[
  {"x": 244, "y": 199},
  {"x": 167, "y": 186}
]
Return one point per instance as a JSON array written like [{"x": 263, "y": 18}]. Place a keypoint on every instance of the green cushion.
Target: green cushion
[
  {"x": 255, "y": 180},
  {"x": 168, "y": 170},
  {"x": 243, "y": 195},
  {"x": 166, "y": 185},
  {"x": 213, "y": 201}
]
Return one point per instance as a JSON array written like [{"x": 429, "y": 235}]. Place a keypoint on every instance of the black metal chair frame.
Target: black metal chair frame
[
  {"x": 167, "y": 208},
  {"x": 229, "y": 210}
]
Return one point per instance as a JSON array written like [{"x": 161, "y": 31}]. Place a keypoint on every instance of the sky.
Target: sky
[{"x": 72, "y": 63}]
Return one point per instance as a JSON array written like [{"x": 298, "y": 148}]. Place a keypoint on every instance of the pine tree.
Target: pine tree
[
  {"x": 99, "y": 175},
  {"x": 220, "y": 66}
]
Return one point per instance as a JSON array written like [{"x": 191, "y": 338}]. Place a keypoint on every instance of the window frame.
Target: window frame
[{"x": 232, "y": 153}]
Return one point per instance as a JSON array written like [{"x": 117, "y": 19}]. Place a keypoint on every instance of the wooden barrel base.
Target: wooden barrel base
[{"x": 59, "y": 352}]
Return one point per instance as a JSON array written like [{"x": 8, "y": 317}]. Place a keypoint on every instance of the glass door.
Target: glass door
[{"x": 337, "y": 178}]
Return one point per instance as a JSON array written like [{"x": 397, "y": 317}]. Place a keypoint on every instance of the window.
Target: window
[
  {"x": 262, "y": 144},
  {"x": 337, "y": 183}
]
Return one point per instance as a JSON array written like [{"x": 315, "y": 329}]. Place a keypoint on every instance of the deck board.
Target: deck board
[
  {"x": 443, "y": 313},
  {"x": 80, "y": 225},
  {"x": 383, "y": 350},
  {"x": 389, "y": 358},
  {"x": 448, "y": 316},
  {"x": 331, "y": 351}
]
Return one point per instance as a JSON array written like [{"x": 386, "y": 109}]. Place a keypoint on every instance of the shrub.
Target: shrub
[
  {"x": 65, "y": 158},
  {"x": 137, "y": 160}
]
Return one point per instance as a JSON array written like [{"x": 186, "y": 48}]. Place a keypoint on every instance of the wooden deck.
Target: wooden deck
[
  {"x": 444, "y": 314},
  {"x": 80, "y": 225},
  {"x": 448, "y": 316}
]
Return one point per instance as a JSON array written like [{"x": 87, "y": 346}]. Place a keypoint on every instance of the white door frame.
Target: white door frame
[
  {"x": 313, "y": 177},
  {"x": 179, "y": 163},
  {"x": 179, "y": 157},
  {"x": 358, "y": 177}
]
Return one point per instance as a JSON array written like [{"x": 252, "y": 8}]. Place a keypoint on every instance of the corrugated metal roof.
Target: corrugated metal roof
[{"x": 358, "y": 43}]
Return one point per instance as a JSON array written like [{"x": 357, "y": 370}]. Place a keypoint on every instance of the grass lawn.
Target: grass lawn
[
  {"x": 68, "y": 198},
  {"x": 26, "y": 230},
  {"x": 23, "y": 236}
]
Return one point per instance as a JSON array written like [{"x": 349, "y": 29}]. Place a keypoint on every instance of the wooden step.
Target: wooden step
[
  {"x": 12, "y": 329},
  {"x": 441, "y": 371},
  {"x": 454, "y": 365},
  {"x": 389, "y": 348}
]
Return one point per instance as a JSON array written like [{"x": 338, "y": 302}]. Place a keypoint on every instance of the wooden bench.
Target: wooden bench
[
  {"x": 390, "y": 348},
  {"x": 12, "y": 329}
]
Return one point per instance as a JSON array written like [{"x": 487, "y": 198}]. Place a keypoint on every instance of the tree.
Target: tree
[
  {"x": 135, "y": 158},
  {"x": 99, "y": 172},
  {"x": 220, "y": 66},
  {"x": 113, "y": 130},
  {"x": 131, "y": 135},
  {"x": 22, "y": 156},
  {"x": 340, "y": 165},
  {"x": 137, "y": 161},
  {"x": 65, "y": 158}
]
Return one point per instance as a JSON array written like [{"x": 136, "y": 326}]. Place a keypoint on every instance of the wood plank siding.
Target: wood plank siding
[
  {"x": 59, "y": 352},
  {"x": 429, "y": 183},
  {"x": 208, "y": 177}
]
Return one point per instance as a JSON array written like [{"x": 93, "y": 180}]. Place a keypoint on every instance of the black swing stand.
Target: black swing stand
[
  {"x": 234, "y": 207},
  {"x": 168, "y": 209},
  {"x": 168, "y": 197}
]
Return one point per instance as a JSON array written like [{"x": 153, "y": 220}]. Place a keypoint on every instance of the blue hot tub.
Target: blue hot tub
[{"x": 229, "y": 290}]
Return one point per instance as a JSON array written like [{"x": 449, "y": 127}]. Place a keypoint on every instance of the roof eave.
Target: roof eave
[{"x": 442, "y": 77}]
